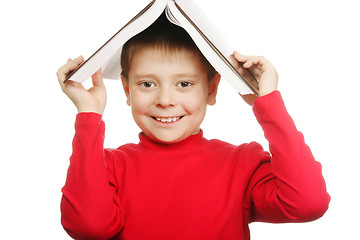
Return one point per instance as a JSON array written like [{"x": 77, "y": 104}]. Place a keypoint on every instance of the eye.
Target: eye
[
  {"x": 184, "y": 84},
  {"x": 147, "y": 84}
]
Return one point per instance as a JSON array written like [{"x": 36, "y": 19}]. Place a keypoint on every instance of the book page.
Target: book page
[{"x": 203, "y": 22}]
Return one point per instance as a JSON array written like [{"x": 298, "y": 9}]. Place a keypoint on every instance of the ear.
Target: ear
[
  {"x": 125, "y": 84},
  {"x": 213, "y": 87}
]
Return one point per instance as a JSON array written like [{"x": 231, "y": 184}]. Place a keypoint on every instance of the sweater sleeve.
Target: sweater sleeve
[
  {"x": 90, "y": 207},
  {"x": 288, "y": 186}
]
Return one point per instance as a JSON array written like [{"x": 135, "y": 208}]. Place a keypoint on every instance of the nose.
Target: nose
[{"x": 164, "y": 98}]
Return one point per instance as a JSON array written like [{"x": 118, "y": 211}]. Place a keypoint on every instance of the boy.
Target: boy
[{"x": 175, "y": 184}]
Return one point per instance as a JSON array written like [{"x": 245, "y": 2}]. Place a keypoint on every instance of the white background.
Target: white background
[{"x": 314, "y": 44}]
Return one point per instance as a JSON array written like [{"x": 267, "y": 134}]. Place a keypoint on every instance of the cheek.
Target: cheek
[
  {"x": 140, "y": 103},
  {"x": 196, "y": 104}
]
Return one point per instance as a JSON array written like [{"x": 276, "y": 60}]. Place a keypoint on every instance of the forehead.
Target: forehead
[{"x": 153, "y": 59}]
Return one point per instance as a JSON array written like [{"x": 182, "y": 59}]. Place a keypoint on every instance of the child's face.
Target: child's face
[{"x": 168, "y": 93}]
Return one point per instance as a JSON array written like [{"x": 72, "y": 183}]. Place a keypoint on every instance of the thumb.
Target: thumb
[{"x": 97, "y": 78}]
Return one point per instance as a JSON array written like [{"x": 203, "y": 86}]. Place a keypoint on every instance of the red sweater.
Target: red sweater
[{"x": 194, "y": 189}]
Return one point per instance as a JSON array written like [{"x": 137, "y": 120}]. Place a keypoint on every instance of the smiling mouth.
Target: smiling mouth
[{"x": 167, "y": 119}]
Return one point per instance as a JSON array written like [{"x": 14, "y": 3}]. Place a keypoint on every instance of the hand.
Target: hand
[
  {"x": 91, "y": 100},
  {"x": 264, "y": 73}
]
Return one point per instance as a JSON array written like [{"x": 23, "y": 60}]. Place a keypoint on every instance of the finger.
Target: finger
[
  {"x": 73, "y": 63},
  {"x": 239, "y": 57},
  {"x": 260, "y": 61},
  {"x": 79, "y": 59},
  {"x": 248, "y": 61},
  {"x": 255, "y": 71},
  {"x": 97, "y": 78},
  {"x": 69, "y": 66}
]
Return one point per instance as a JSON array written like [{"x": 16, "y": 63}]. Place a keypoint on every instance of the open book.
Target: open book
[{"x": 186, "y": 14}]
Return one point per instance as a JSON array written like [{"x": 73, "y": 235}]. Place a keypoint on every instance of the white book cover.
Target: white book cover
[{"x": 186, "y": 14}]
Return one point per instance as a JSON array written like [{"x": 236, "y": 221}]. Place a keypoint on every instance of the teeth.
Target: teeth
[{"x": 167, "y": 120}]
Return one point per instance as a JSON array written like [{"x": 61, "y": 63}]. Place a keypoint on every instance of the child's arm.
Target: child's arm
[
  {"x": 90, "y": 207},
  {"x": 288, "y": 186}
]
